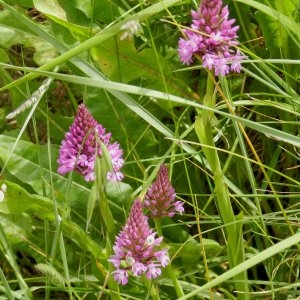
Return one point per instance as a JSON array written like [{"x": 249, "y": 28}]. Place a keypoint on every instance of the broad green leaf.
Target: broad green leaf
[
  {"x": 24, "y": 165},
  {"x": 18, "y": 201},
  {"x": 120, "y": 195},
  {"x": 191, "y": 253},
  {"x": 193, "y": 250},
  {"x": 26, "y": 3},
  {"x": 53, "y": 10},
  {"x": 13, "y": 33},
  {"x": 121, "y": 61},
  {"x": 3, "y": 56},
  {"x": 102, "y": 12},
  {"x": 85, "y": 6},
  {"x": 44, "y": 52},
  {"x": 11, "y": 36},
  {"x": 118, "y": 192},
  {"x": 17, "y": 228}
]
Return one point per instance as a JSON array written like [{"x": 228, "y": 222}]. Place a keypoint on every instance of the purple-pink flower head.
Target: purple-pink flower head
[
  {"x": 160, "y": 198},
  {"x": 136, "y": 248},
  {"x": 82, "y": 145},
  {"x": 212, "y": 38}
]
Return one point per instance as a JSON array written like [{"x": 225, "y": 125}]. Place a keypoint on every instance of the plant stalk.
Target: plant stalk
[{"x": 233, "y": 224}]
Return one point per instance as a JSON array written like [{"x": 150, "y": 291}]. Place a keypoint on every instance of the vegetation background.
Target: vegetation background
[{"x": 52, "y": 233}]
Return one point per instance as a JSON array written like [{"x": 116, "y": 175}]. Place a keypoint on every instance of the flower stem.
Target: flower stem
[
  {"x": 169, "y": 269},
  {"x": 152, "y": 290},
  {"x": 233, "y": 224},
  {"x": 107, "y": 218}
]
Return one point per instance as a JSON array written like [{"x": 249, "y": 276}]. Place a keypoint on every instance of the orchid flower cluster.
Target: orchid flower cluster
[
  {"x": 212, "y": 38},
  {"x": 137, "y": 249},
  {"x": 82, "y": 145},
  {"x": 160, "y": 197}
]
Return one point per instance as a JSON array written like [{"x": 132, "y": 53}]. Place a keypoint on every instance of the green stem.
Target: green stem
[
  {"x": 108, "y": 221},
  {"x": 65, "y": 264},
  {"x": 233, "y": 225},
  {"x": 9, "y": 255},
  {"x": 169, "y": 269},
  {"x": 151, "y": 288},
  {"x": 6, "y": 286}
]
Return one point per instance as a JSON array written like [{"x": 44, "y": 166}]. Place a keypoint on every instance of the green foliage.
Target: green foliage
[
  {"x": 19, "y": 205},
  {"x": 120, "y": 61},
  {"x": 233, "y": 158},
  {"x": 53, "y": 10},
  {"x": 13, "y": 33},
  {"x": 53, "y": 275}
]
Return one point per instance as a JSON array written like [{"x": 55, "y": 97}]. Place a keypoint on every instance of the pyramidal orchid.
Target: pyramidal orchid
[
  {"x": 160, "y": 197},
  {"x": 212, "y": 37},
  {"x": 136, "y": 249},
  {"x": 81, "y": 146}
]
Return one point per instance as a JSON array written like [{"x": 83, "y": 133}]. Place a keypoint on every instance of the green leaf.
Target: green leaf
[
  {"x": 91, "y": 203},
  {"x": 3, "y": 56},
  {"x": 25, "y": 3},
  {"x": 44, "y": 52},
  {"x": 13, "y": 33},
  {"x": 270, "y": 30},
  {"x": 118, "y": 192},
  {"x": 18, "y": 201},
  {"x": 191, "y": 253},
  {"x": 102, "y": 12},
  {"x": 85, "y": 6},
  {"x": 24, "y": 164},
  {"x": 53, "y": 10},
  {"x": 120, "y": 61},
  {"x": 10, "y": 36},
  {"x": 16, "y": 227}
]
